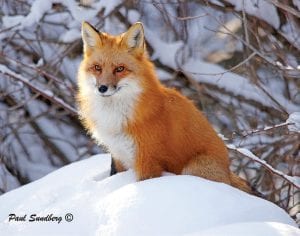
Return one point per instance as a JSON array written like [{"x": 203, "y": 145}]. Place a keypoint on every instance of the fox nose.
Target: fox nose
[{"x": 103, "y": 88}]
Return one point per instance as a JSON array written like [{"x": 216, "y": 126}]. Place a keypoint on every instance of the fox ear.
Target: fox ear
[
  {"x": 134, "y": 37},
  {"x": 90, "y": 36}
]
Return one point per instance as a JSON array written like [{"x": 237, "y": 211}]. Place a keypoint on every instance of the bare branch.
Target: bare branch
[
  {"x": 45, "y": 93},
  {"x": 245, "y": 152}
]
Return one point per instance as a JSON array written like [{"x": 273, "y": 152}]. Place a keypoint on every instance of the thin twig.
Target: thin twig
[
  {"x": 223, "y": 72},
  {"x": 183, "y": 18},
  {"x": 266, "y": 129}
]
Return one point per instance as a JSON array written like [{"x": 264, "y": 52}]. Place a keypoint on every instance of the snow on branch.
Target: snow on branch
[
  {"x": 294, "y": 122},
  {"x": 293, "y": 180},
  {"x": 44, "y": 92},
  {"x": 268, "y": 128}
]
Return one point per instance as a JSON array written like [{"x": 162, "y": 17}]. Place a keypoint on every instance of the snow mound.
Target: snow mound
[
  {"x": 251, "y": 229},
  {"x": 118, "y": 205}
]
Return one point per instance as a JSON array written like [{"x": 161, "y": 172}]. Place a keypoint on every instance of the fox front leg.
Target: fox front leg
[
  {"x": 147, "y": 168},
  {"x": 116, "y": 166}
]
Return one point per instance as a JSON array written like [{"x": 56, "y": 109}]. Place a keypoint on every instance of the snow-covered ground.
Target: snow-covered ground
[{"x": 118, "y": 205}]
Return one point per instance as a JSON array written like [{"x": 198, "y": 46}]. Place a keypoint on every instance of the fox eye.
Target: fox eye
[
  {"x": 97, "y": 68},
  {"x": 119, "y": 69}
]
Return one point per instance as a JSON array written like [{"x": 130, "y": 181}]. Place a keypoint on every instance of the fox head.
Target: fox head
[{"x": 113, "y": 64}]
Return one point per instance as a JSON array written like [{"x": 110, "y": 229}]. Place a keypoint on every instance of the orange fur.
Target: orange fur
[{"x": 167, "y": 130}]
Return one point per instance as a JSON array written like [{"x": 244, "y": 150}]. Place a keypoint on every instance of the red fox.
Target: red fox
[{"x": 144, "y": 125}]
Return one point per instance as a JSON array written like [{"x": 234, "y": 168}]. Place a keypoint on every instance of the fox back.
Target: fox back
[{"x": 144, "y": 125}]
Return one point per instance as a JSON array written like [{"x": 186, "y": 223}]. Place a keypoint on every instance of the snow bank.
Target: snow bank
[
  {"x": 251, "y": 229},
  {"x": 118, "y": 205}
]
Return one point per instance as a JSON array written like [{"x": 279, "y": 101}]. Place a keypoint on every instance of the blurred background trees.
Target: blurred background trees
[{"x": 238, "y": 60}]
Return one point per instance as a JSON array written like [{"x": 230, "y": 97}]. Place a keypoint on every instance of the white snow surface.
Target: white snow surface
[
  {"x": 250, "y": 229},
  {"x": 118, "y": 205}
]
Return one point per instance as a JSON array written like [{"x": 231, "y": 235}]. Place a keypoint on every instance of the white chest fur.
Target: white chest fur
[
  {"x": 110, "y": 121},
  {"x": 110, "y": 115}
]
